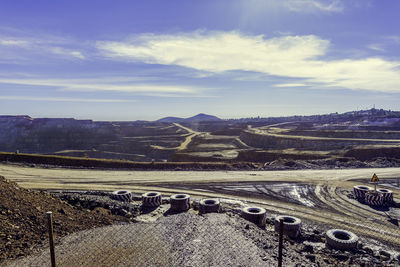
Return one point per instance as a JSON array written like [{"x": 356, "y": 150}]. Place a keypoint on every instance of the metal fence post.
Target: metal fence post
[
  {"x": 280, "y": 247},
  {"x": 51, "y": 239}
]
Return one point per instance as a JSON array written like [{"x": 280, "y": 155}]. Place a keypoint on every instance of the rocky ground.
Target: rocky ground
[
  {"x": 190, "y": 239},
  {"x": 23, "y": 222},
  {"x": 185, "y": 239}
]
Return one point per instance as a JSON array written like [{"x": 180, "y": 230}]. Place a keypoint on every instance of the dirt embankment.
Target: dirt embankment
[{"x": 23, "y": 222}]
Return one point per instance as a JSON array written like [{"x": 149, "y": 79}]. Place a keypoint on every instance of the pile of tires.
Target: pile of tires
[
  {"x": 256, "y": 215},
  {"x": 180, "y": 202},
  {"x": 122, "y": 195},
  {"x": 360, "y": 191},
  {"x": 209, "y": 206},
  {"x": 374, "y": 198},
  {"x": 151, "y": 199},
  {"x": 341, "y": 239},
  {"x": 387, "y": 196},
  {"x": 291, "y": 225}
]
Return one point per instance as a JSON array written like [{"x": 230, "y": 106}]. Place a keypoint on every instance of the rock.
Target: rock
[
  {"x": 385, "y": 256},
  {"x": 62, "y": 211},
  {"x": 341, "y": 257},
  {"x": 308, "y": 248},
  {"x": 247, "y": 227},
  {"x": 311, "y": 257},
  {"x": 368, "y": 250},
  {"x": 267, "y": 246}
]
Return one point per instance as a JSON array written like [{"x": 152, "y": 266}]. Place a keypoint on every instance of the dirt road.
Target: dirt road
[{"x": 188, "y": 138}]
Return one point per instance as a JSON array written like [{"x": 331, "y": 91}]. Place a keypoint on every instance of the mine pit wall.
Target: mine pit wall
[
  {"x": 347, "y": 134},
  {"x": 370, "y": 153},
  {"x": 266, "y": 156},
  {"x": 280, "y": 142}
]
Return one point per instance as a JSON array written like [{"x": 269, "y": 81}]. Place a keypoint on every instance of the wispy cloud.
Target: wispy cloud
[
  {"x": 314, "y": 5},
  {"x": 290, "y": 85},
  {"x": 288, "y": 56},
  {"x": 66, "y": 52},
  {"x": 28, "y": 48},
  {"x": 90, "y": 85},
  {"x": 376, "y": 47},
  {"x": 65, "y": 99},
  {"x": 13, "y": 42}
]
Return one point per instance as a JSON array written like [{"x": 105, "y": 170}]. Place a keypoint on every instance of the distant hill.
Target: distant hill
[
  {"x": 196, "y": 118},
  {"x": 170, "y": 119},
  {"x": 202, "y": 117}
]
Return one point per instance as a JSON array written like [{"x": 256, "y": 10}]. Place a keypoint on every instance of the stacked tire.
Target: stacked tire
[
  {"x": 256, "y": 215},
  {"x": 180, "y": 202},
  {"x": 122, "y": 195},
  {"x": 374, "y": 198},
  {"x": 360, "y": 191},
  {"x": 209, "y": 205},
  {"x": 387, "y": 196},
  {"x": 151, "y": 199},
  {"x": 341, "y": 239},
  {"x": 291, "y": 225}
]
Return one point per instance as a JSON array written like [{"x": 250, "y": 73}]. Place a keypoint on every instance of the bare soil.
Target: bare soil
[{"x": 23, "y": 222}]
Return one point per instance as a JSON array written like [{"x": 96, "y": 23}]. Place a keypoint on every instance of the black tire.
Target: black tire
[
  {"x": 122, "y": 195},
  {"x": 180, "y": 202},
  {"x": 360, "y": 191},
  {"x": 291, "y": 225},
  {"x": 387, "y": 196},
  {"x": 341, "y": 239},
  {"x": 151, "y": 199},
  {"x": 256, "y": 215},
  {"x": 373, "y": 198},
  {"x": 209, "y": 205}
]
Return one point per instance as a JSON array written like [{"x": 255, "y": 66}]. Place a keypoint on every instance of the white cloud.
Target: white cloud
[
  {"x": 86, "y": 85},
  {"x": 289, "y": 85},
  {"x": 29, "y": 48},
  {"x": 289, "y": 56},
  {"x": 64, "y": 99},
  {"x": 315, "y": 5},
  {"x": 376, "y": 47},
  {"x": 66, "y": 52},
  {"x": 11, "y": 42}
]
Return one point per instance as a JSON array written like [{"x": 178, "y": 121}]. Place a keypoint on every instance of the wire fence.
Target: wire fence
[{"x": 232, "y": 238}]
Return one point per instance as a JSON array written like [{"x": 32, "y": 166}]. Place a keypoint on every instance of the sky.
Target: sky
[{"x": 143, "y": 60}]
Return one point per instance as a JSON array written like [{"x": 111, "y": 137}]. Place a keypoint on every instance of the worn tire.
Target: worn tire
[
  {"x": 387, "y": 196},
  {"x": 374, "y": 199},
  {"x": 256, "y": 215},
  {"x": 291, "y": 225},
  {"x": 151, "y": 199},
  {"x": 122, "y": 195},
  {"x": 341, "y": 239},
  {"x": 360, "y": 190},
  {"x": 209, "y": 205},
  {"x": 180, "y": 202}
]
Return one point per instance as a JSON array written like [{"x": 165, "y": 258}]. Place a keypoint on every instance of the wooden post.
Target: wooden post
[
  {"x": 280, "y": 247},
  {"x": 51, "y": 238}
]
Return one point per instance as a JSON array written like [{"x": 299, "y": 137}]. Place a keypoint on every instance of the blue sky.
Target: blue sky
[{"x": 129, "y": 60}]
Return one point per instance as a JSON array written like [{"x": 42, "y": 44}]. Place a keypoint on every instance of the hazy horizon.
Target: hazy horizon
[{"x": 145, "y": 60}]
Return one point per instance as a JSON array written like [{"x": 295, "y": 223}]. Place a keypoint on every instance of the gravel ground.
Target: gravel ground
[{"x": 189, "y": 239}]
